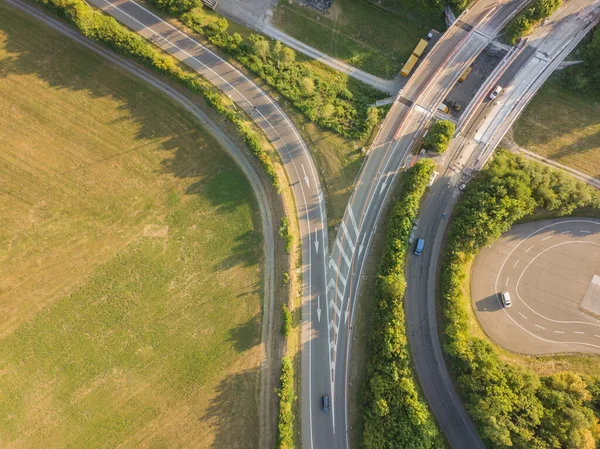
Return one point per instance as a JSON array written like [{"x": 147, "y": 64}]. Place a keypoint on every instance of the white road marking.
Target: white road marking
[
  {"x": 333, "y": 265},
  {"x": 351, "y": 215},
  {"x": 585, "y": 232},
  {"x": 383, "y": 186},
  {"x": 580, "y": 333},
  {"x": 597, "y": 336},
  {"x": 507, "y": 279},
  {"x": 558, "y": 332},
  {"x": 331, "y": 346},
  {"x": 339, "y": 245},
  {"x": 361, "y": 247},
  {"x": 546, "y": 238},
  {"x": 317, "y": 245},
  {"x": 529, "y": 248},
  {"x": 515, "y": 264},
  {"x": 332, "y": 325},
  {"x": 540, "y": 327},
  {"x": 347, "y": 234},
  {"x": 332, "y": 304},
  {"x": 305, "y": 175},
  {"x": 566, "y": 232},
  {"x": 319, "y": 308},
  {"x": 522, "y": 315}
]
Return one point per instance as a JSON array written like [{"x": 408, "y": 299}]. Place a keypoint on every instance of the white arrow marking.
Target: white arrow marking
[
  {"x": 382, "y": 187},
  {"x": 319, "y": 308},
  {"x": 305, "y": 177},
  {"x": 317, "y": 245},
  {"x": 361, "y": 247}
]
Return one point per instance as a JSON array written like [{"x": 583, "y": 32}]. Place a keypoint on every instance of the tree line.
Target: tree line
[
  {"x": 511, "y": 406},
  {"x": 335, "y": 104},
  {"x": 585, "y": 77},
  {"x": 393, "y": 412},
  {"x": 522, "y": 25}
]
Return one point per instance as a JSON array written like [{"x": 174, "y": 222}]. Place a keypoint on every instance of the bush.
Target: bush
[
  {"x": 523, "y": 24},
  {"x": 101, "y": 28},
  {"x": 511, "y": 406},
  {"x": 394, "y": 414},
  {"x": 439, "y": 136},
  {"x": 586, "y": 76},
  {"x": 330, "y": 104},
  {"x": 285, "y": 421},
  {"x": 286, "y": 321},
  {"x": 284, "y": 232}
]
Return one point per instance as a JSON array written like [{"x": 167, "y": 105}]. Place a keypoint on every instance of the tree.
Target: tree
[
  {"x": 307, "y": 85},
  {"x": 262, "y": 48},
  {"x": 439, "y": 135},
  {"x": 288, "y": 55}
]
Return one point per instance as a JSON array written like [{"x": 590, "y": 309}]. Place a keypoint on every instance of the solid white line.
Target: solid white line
[
  {"x": 515, "y": 264},
  {"x": 347, "y": 234},
  {"x": 351, "y": 215},
  {"x": 522, "y": 315},
  {"x": 546, "y": 238},
  {"x": 540, "y": 326},
  {"x": 529, "y": 248},
  {"x": 339, "y": 245}
]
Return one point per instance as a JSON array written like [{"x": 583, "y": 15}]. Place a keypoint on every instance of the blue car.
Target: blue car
[
  {"x": 325, "y": 402},
  {"x": 419, "y": 247}
]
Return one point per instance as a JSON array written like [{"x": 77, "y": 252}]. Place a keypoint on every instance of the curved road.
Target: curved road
[{"x": 552, "y": 271}]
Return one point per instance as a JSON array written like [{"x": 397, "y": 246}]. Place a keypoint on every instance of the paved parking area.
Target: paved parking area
[{"x": 552, "y": 271}]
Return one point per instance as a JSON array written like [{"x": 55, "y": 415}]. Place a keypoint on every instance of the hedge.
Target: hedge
[
  {"x": 394, "y": 415},
  {"x": 523, "y": 24},
  {"x": 439, "y": 136},
  {"x": 510, "y": 406},
  {"x": 102, "y": 28},
  {"x": 285, "y": 421},
  {"x": 335, "y": 104}
]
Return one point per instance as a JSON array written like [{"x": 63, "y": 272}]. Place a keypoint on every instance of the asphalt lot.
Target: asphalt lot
[{"x": 552, "y": 271}]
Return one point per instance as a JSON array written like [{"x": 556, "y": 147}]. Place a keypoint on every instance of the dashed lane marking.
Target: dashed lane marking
[
  {"x": 514, "y": 266},
  {"x": 580, "y": 333},
  {"x": 529, "y": 248},
  {"x": 522, "y": 315},
  {"x": 540, "y": 327},
  {"x": 546, "y": 238},
  {"x": 558, "y": 332}
]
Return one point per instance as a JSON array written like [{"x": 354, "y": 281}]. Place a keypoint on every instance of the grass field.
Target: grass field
[
  {"x": 130, "y": 252},
  {"x": 564, "y": 127},
  {"x": 359, "y": 32}
]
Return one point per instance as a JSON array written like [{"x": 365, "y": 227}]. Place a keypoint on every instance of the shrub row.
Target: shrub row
[
  {"x": 439, "y": 136},
  {"x": 285, "y": 421},
  {"x": 285, "y": 234},
  {"x": 523, "y": 24},
  {"x": 286, "y": 321},
  {"x": 333, "y": 104},
  {"x": 102, "y": 28},
  {"x": 511, "y": 407},
  {"x": 394, "y": 415}
]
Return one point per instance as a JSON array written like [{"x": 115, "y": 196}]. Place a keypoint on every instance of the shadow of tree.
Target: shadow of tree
[
  {"x": 246, "y": 335},
  {"x": 233, "y": 412}
]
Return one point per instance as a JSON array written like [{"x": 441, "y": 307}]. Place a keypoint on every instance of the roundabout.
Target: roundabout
[{"x": 551, "y": 269}]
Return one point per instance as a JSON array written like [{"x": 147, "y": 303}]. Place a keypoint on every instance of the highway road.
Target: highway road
[
  {"x": 405, "y": 123},
  {"x": 302, "y": 176},
  {"x": 552, "y": 271}
]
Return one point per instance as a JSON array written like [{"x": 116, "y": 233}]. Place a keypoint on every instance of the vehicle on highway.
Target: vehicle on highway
[
  {"x": 432, "y": 179},
  {"x": 495, "y": 92},
  {"x": 506, "y": 302},
  {"x": 444, "y": 108},
  {"x": 465, "y": 74},
  {"x": 325, "y": 401},
  {"x": 419, "y": 247}
]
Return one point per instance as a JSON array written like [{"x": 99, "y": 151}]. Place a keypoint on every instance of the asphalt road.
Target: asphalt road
[
  {"x": 552, "y": 271},
  {"x": 242, "y": 158},
  {"x": 304, "y": 182}
]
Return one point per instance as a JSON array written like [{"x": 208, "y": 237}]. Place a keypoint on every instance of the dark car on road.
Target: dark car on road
[{"x": 325, "y": 402}]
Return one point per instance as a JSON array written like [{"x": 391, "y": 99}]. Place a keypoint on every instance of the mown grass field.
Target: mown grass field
[
  {"x": 130, "y": 280},
  {"x": 562, "y": 126},
  {"x": 359, "y": 32}
]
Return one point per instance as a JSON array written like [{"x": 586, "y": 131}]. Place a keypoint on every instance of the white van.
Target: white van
[{"x": 506, "y": 302}]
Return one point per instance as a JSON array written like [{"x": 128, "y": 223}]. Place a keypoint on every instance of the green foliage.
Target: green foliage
[
  {"x": 284, "y": 232},
  {"x": 286, "y": 278},
  {"x": 586, "y": 76},
  {"x": 511, "y": 406},
  {"x": 286, "y": 321},
  {"x": 329, "y": 104},
  {"x": 101, "y": 28},
  {"x": 285, "y": 421},
  {"x": 394, "y": 415},
  {"x": 439, "y": 135},
  {"x": 523, "y": 24}
]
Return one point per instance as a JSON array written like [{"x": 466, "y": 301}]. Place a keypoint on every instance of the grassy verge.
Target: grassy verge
[
  {"x": 359, "y": 32},
  {"x": 512, "y": 404},
  {"x": 393, "y": 412},
  {"x": 131, "y": 298},
  {"x": 563, "y": 126}
]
